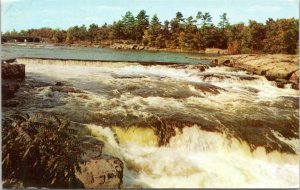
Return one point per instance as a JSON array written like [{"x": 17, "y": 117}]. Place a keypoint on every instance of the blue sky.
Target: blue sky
[{"x": 25, "y": 14}]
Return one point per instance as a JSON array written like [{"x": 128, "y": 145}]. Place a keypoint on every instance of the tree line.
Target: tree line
[{"x": 186, "y": 33}]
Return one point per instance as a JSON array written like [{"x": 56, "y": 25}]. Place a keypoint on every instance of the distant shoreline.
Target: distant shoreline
[{"x": 118, "y": 46}]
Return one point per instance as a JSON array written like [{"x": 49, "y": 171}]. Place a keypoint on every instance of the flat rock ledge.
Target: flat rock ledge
[{"x": 281, "y": 68}]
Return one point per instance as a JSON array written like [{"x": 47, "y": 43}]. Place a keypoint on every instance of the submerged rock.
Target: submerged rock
[
  {"x": 207, "y": 88},
  {"x": 65, "y": 89},
  {"x": 59, "y": 84}
]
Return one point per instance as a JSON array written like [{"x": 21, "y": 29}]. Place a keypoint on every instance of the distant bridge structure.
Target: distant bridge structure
[{"x": 5, "y": 38}]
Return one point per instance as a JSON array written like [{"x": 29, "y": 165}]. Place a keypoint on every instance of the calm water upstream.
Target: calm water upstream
[{"x": 51, "y": 51}]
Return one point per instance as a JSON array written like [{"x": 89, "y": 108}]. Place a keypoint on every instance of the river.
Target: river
[
  {"x": 174, "y": 125},
  {"x": 64, "y": 52}
]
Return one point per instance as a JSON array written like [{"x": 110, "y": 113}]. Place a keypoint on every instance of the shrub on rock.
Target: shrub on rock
[{"x": 40, "y": 151}]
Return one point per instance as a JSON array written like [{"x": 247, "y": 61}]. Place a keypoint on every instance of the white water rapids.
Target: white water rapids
[{"x": 236, "y": 129}]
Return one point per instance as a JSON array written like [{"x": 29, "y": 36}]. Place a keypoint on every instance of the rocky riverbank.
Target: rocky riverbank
[
  {"x": 99, "y": 169},
  {"x": 283, "y": 69},
  {"x": 139, "y": 112},
  {"x": 125, "y": 46}
]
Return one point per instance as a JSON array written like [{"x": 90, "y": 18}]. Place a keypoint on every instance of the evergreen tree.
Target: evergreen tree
[{"x": 142, "y": 23}]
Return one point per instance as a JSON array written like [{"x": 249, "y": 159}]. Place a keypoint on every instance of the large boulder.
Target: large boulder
[
  {"x": 13, "y": 71},
  {"x": 101, "y": 172}
]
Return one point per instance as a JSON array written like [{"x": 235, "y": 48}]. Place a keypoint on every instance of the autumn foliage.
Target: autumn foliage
[{"x": 186, "y": 33}]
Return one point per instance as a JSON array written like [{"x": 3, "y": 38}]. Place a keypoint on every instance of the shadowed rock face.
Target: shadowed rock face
[
  {"x": 13, "y": 71},
  {"x": 12, "y": 75}
]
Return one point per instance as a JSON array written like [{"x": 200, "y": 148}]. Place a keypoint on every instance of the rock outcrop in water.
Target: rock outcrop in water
[
  {"x": 12, "y": 75},
  {"x": 99, "y": 170},
  {"x": 13, "y": 71},
  {"x": 281, "y": 68}
]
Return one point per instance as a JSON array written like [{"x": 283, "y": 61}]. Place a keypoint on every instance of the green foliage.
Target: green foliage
[
  {"x": 155, "y": 25},
  {"x": 40, "y": 150},
  {"x": 128, "y": 25},
  {"x": 224, "y": 23},
  {"x": 142, "y": 23},
  {"x": 191, "y": 33}
]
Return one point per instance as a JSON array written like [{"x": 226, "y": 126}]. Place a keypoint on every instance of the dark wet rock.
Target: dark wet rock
[
  {"x": 251, "y": 89},
  {"x": 66, "y": 89},
  {"x": 83, "y": 96},
  {"x": 222, "y": 76},
  {"x": 200, "y": 67},
  {"x": 157, "y": 89},
  {"x": 7, "y": 92},
  {"x": 9, "y": 89},
  {"x": 257, "y": 132},
  {"x": 207, "y": 88},
  {"x": 227, "y": 63},
  {"x": 246, "y": 77},
  {"x": 4, "y": 61},
  {"x": 211, "y": 76},
  {"x": 59, "y": 84},
  {"x": 224, "y": 61},
  {"x": 166, "y": 126},
  {"x": 295, "y": 86},
  {"x": 10, "y": 103},
  {"x": 281, "y": 82},
  {"x": 13, "y": 71}
]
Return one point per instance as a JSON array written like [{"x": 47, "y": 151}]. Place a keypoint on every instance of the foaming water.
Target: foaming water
[
  {"x": 178, "y": 126},
  {"x": 196, "y": 158}
]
